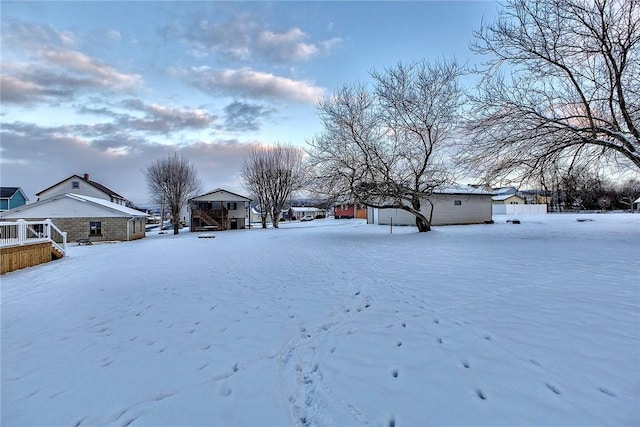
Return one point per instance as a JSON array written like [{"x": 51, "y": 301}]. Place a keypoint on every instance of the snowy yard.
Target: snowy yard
[{"x": 333, "y": 322}]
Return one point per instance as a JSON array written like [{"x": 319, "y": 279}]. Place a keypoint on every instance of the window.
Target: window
[
  {"x": 457, "y": 202},
  {"x": 232, "y": 206},
  {"x": 75, "y": 184},
  {"x": 95, "y": 228}
]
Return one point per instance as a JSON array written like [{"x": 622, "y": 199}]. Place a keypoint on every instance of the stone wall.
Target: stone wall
[{"x": 112, "y": 228}]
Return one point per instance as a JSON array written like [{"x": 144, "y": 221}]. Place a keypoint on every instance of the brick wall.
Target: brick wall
[{"x": 112, "y": 228}]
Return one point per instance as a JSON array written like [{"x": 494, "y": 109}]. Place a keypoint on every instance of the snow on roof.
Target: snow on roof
[
  {"x": 504, "y": 197},
  {"x": 306, "y": 209},
  {"x": 462, "y": 189},
  {"x": 637, "y": 200},
  {"x": 107, "y": 204}
]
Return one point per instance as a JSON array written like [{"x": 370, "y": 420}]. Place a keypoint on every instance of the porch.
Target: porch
[{"x": 28, "y": 243}]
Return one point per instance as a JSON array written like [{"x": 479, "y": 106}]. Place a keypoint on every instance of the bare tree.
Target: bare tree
[
  {"x": 272, "y": 174},
  {"x": 172, "y": 181},
  {"x": 385, "y": 147},
  {"x": 572, "y": 93}
]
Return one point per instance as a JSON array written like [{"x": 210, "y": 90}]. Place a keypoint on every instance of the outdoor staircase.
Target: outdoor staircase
[
  {"x": 56, "y": 252},
  {"x": 206, "y": 219}
]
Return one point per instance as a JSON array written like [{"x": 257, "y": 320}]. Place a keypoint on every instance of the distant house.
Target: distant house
[
  {"x": 456, "y": 205},
  {"x": 83, "y": 216},
  {"x": 76, "y": 184},
  {"x": 298, "y": 212},
  {"x": 508, "y": 199},
  {"x": 636, "y": 204},
  {"x": 219, "y": 210},
  {"x": 12, "y": 197},
  {"x": 349, "y": 210}
]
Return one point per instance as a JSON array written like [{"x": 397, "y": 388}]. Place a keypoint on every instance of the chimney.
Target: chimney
[{"x": 86, "y": 177}]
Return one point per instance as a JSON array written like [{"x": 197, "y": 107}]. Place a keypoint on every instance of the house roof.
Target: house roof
[
  {"x": 97, "y": 185},
  {"x": 108, "y": 204},
  {"x": 637, "y": 200},
  {"x": 505, "y": 190},
  {"x": 505, "y": 197},
  {"x": 306, "y": 209},
  {"x": 463, "y": 189},
  {"x": 101, "y": 203},
  {"x": 221, "y": 190},
  {"x": 9, "y": 192}
]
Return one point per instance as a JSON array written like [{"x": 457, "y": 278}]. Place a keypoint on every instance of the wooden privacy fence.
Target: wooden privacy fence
[{"x": 27, "y": 243}]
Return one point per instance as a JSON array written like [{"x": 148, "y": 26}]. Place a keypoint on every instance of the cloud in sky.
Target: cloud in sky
[
  {"x": 113, "y": 159},
  {"x": 250, "y": 83},
  {"x": 242, "y": 38},
  {"x": 241, "y": 116}
]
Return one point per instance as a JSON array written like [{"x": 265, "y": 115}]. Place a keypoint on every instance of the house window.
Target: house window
[
  {"x": 75, "y": 184},
  {"x": 457, "y": 202},
  {"x": 232, "y": 206},
  {"x": 95, "y": 228}
]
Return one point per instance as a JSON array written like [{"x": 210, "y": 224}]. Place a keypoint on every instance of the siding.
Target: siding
[
  {"x": 474, "y": 209},
  {"x": 66, "y": 186},
  {"x": 17, "y": 257}
]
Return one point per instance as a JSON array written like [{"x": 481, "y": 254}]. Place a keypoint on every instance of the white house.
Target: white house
[
  {"x": 219, "y": 210},
  {"x": 83, "y": 216},
  {"x": 299, "y": 212},
  {"x": 457, "y": 205},
  {"x": 83, "y": 186}
]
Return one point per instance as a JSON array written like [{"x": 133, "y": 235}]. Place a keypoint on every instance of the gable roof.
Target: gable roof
[
  {"x": 101, "y": 203},
  {"x": 108, "y": 204},
  {"x": 221, "y": 190},
  {"x": 505, "y": 197},
  {"x": 463, "y": 189},
  {"x": 9, "y": 192},
  {"x": 97, "y": 185}
]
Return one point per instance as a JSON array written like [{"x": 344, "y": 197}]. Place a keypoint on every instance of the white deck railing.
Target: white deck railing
[{"x": 21, "y": 232}]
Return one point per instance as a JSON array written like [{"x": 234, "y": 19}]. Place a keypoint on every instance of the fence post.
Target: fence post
[
  {"x": 22, "y": 230},
  {"x": 47, "y": 228}
]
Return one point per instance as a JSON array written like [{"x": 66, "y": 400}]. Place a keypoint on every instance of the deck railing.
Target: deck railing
[{"x": 21, "y": 232}]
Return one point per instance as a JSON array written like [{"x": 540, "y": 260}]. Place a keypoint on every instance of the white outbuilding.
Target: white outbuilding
[{"x": 456, "y": 205}]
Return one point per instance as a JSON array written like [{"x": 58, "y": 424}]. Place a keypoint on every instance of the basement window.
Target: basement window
[
  {"x": 457, "y": 202},
  {"x": 95, "y": 228}
]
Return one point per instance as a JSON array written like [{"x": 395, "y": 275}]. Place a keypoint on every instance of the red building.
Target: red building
[{"x": 350, "y": 210}]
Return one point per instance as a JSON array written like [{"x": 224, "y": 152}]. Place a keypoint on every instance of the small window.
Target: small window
[
  {"x": 458, "y": 202},
  {"x": 95, "y": 228},
  {"x": 75, "y": 184},
  {"x": 232, "y": 206}
]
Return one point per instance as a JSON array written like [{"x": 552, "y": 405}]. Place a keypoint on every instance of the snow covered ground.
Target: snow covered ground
[{"x": 333, "y": 322}]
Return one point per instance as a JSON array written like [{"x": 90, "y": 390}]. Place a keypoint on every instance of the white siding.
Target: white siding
[
  {"x": 66, "y": 186},
  {"x": 473, "y": 209}
]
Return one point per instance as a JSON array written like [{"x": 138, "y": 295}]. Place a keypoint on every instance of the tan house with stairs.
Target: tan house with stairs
[{"x": 219, "y": 210}]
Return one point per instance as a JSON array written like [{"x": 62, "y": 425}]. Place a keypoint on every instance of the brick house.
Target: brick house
[{"x": 83, "y": 216}]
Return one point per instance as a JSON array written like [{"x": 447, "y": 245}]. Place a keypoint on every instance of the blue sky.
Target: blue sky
[{"x": 106, "y": 88}]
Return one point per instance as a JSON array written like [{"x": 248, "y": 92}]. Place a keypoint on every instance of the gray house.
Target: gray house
[{"x": 456, "y": 205}]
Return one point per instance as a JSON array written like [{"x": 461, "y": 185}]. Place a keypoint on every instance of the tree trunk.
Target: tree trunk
[
  {"x": 264, "y": 221},
  {"x": 422, "y": 222},
  {"x": 176, "y": 223}
]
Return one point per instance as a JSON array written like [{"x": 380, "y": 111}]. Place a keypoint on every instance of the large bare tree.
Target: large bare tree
[
  {"x": 561, "y": 87},
  {"x": 272, "y": 173},
  {"x": 172, "y": 181},
  {"x": 386, "y": 146}
]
